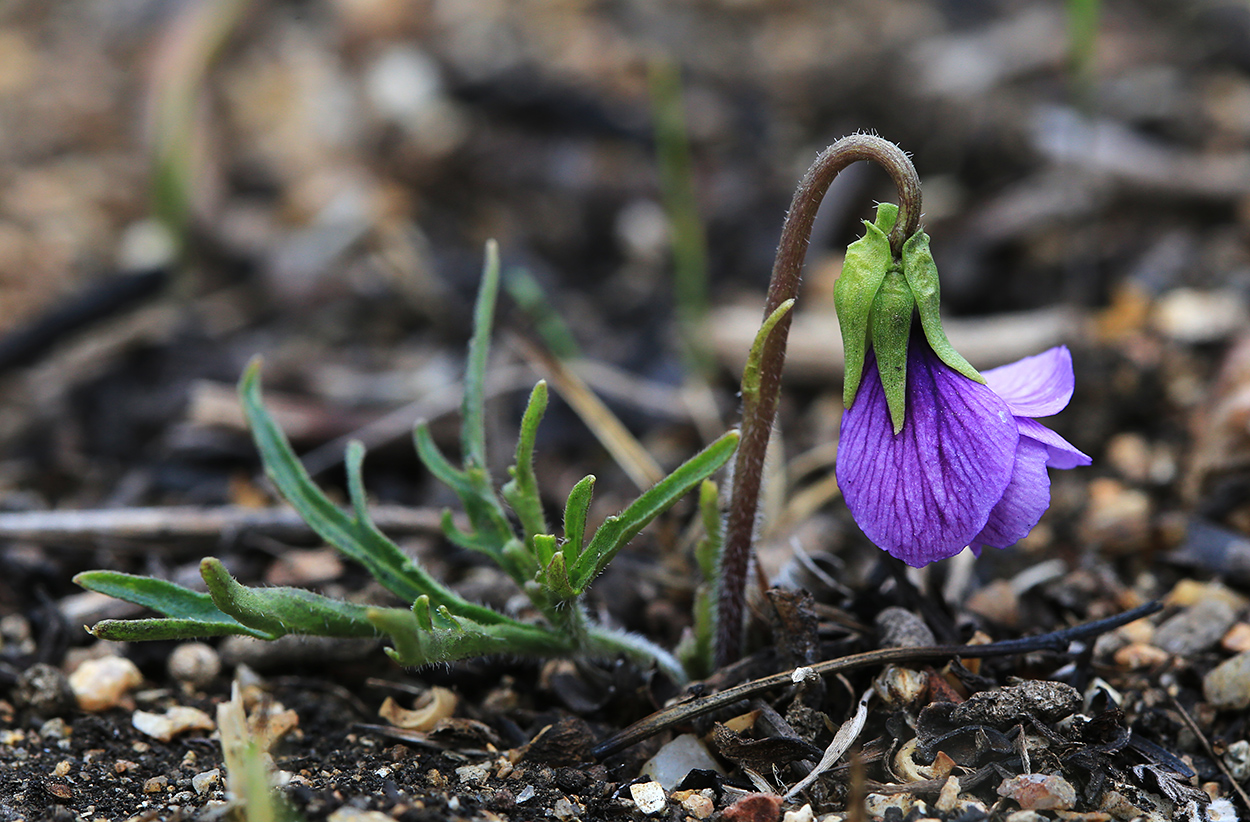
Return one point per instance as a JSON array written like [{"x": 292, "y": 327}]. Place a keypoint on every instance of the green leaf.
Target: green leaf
[
  {"x": 576, "y": 508},
  {"x": 521, "y": 491},
  {"x": 891, "y": 327},
  {"x": 190, "y": 613},
  {"x": 922, "y": 276},
  {"x": 616, "y": 531},
  {"x": 473, "y": 420},
  {"x": 357, "y": 538},
  {"x": 281, "y": 610},
  {"x": 867, "y": 261},
  {"x": 751, "y": 373}
]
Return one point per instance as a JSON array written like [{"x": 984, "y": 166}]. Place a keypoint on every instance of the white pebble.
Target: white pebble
[
  {"x": 100, "y": 684},
  {"x": 649, "y": 797}
]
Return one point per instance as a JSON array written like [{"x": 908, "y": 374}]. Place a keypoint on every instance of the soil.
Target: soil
[{"x": 338, "y": 165}]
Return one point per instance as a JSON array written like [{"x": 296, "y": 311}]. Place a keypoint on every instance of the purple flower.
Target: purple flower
[{"x": 968, "y": 466}]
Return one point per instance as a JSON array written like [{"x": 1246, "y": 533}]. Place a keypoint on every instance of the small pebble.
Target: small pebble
[
  {"x": 174, "y": 721},
  {"x": 1117, "y": 519},
  {"x": 754, "y": 807},
  {"x": 1138, "y": 655},
  {"x": 948, "y": 798},
  {"x": 194, "y": 663},
  {"x": 900, "y": 628},
  {"x": 156, "y": 784},
  {"x": 44, "y": 690},
  {"x": 347, "y": 813},
  {"x": 565, "y": 808},
  {"x": 1039, "y": 791},
  {"x": 672, "y": 762},
  {"x": 1227, "y": 686},
  {"x": 206, "y": 781},
  {"x": 695, "y": 803},
  {"x": 803, "y": 814},
  {"x": 54, "y": 728},
  {"x": 1237, "y": 640},
  {"x": 100, "y": 684},
  {"x": 1237, "y": 758},
  {"x": 1196, "y": 628},
  {"x": 649, "y": 797},
  {"x": 472, "y": 774}
]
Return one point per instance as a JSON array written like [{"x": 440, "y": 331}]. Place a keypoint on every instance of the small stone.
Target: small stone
[
  {"x": 649, "y": 797},
  {"x": 156, "y": 784},
  {"x": 174, "y": 721},
  {"x": 754, "y": 807},
  {"x": 1027, "y": 815},
  {"x": 1084, "y": 816},
  {"x": 1138, "y": 655},
  {"x": 1196, "y": 628},
  {"x": 565, "y": 808},
  {"x": 472, "y": 774},
  {"x": 899, "y": 687},
  {"x": 347, "y": 813},
  {"x": 1039, "y": 791},
  {"x": 1117, "y": 519},
  {"x": 876, "y": 804},
  {"x": 1227, "y": 686},
  {"x": 803, "y": 814},
  {"x": 62, "y": 768},
  {"x": 1188, "y": 315},
  {"x": 54, "y": 728},
  {"x": 100, "y": 684},
  {"x": 1237, "y": 639},
  {"x": 124, "y": 765},
  {"x": 695, "y": 803},
  {"x": 204, "y": 782},
  {"x": 998, "y": 602},
  {"x": 44, "y": 690},
  {"x": 194, "y": 663},
  {"x": 1237, "y": 758},
  {"x": 59, "y": 790},
  {"x": 948, "y": 798},
  {"x": 900, "y": 628},
  {"x": 1221, "y": 810},
  {"x": 672, "y": 762}
]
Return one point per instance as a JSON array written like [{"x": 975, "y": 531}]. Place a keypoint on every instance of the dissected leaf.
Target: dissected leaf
[{"x": 189, "y": 613}]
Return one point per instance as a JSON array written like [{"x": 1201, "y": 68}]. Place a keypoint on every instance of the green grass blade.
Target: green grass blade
[
  {"x": 619, "y": 530},
  {"x": 473, "y": 422}
]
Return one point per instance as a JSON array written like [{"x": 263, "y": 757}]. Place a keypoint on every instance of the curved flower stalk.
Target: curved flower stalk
[
  {"x": 934, "y": 455},
  {"x": 968, "y": 467}
]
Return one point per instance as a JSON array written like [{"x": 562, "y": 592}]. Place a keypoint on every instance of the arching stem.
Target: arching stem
[{"x": 759, "y": 407}]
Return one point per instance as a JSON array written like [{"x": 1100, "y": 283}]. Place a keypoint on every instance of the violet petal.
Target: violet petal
[
  {"x": 922, "y": 495},
  {"x": 1060, "y": 452},
  {"x": 1036, "y": 386},
  {"x": 1027, "y": 497}
]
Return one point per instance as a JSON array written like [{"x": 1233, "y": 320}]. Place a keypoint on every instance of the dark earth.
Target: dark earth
[{"x": 186, "y": 185}]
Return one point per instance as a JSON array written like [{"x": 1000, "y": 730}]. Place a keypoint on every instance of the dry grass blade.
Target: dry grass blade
[
  {"x": 842, "y": 740},
  {"x": 634, "y": 460}
]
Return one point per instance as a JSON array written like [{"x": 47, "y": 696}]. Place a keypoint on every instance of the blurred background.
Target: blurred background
[{"x": 184, "y": 185}]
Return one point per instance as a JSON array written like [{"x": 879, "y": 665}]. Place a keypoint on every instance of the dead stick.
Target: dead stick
[
  {"x": 686, "y": 711},
  {"x": 190, "y": 522}
]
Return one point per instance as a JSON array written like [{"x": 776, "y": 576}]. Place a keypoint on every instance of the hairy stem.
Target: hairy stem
[{"x": 760, "y": 407}]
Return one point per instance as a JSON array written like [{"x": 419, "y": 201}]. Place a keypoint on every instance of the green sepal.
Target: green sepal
[
  {"x": 922, "y": 277},
  {"x": 867, "y": 261},
  {"x": 278, "y": 611},
  {"x": 891, "y": 326}
]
